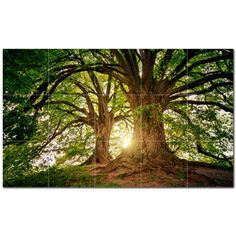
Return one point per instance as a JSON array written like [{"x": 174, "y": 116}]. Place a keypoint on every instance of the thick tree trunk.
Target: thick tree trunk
[{"x": 148, "y": 146}]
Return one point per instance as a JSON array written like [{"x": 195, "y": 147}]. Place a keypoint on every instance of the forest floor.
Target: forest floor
[
  {"x": 97, "y": 176},
  {"x": 194, "y": 177}
]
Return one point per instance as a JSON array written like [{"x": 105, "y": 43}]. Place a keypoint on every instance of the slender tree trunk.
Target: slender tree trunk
[
  {"x": 101, "y": 154},
  {"x": 101, "y": 151}
]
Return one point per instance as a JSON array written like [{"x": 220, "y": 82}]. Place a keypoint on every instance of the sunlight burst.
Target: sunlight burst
[{"x": 126, "y": 142}]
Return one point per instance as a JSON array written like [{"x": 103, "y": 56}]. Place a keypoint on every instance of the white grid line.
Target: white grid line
[
  {"x": 94, "y": 151},
  {"x": 187, "y": 123},
  {"x": 48, "y": 110}
]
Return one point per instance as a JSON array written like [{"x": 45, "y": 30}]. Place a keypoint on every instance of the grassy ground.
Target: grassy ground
[
  {"x": 91, "y": 176},
  {"x": 73, "y": 176}
]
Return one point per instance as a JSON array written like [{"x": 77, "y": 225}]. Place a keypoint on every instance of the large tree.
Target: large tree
[{"x": 96, "y": 109}]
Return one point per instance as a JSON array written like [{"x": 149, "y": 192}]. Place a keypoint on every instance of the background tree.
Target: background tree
[{"x": 96, "y": 108}]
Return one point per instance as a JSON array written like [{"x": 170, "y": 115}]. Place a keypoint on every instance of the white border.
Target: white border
[{"x": 109, "y": 24}]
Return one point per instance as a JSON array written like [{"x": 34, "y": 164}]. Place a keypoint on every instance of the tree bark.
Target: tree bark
[{"x": 101, "y": 154}]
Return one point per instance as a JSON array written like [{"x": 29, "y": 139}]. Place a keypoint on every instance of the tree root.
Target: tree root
[{"x": 194, "y": 172}]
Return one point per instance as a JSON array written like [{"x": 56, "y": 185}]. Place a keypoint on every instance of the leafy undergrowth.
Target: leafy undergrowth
[
  {"x": 91, "y": 176},
  {"x": 53, "y": 177}
]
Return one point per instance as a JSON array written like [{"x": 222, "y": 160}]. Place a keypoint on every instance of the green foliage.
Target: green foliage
[
  {"x": 70, "y": 152},
  {"x": 16, "y": 161},
  {"x": 148, "y": 111},
  {"x": 22, "y": 71},
  {"x": 23, "y": 129}
]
